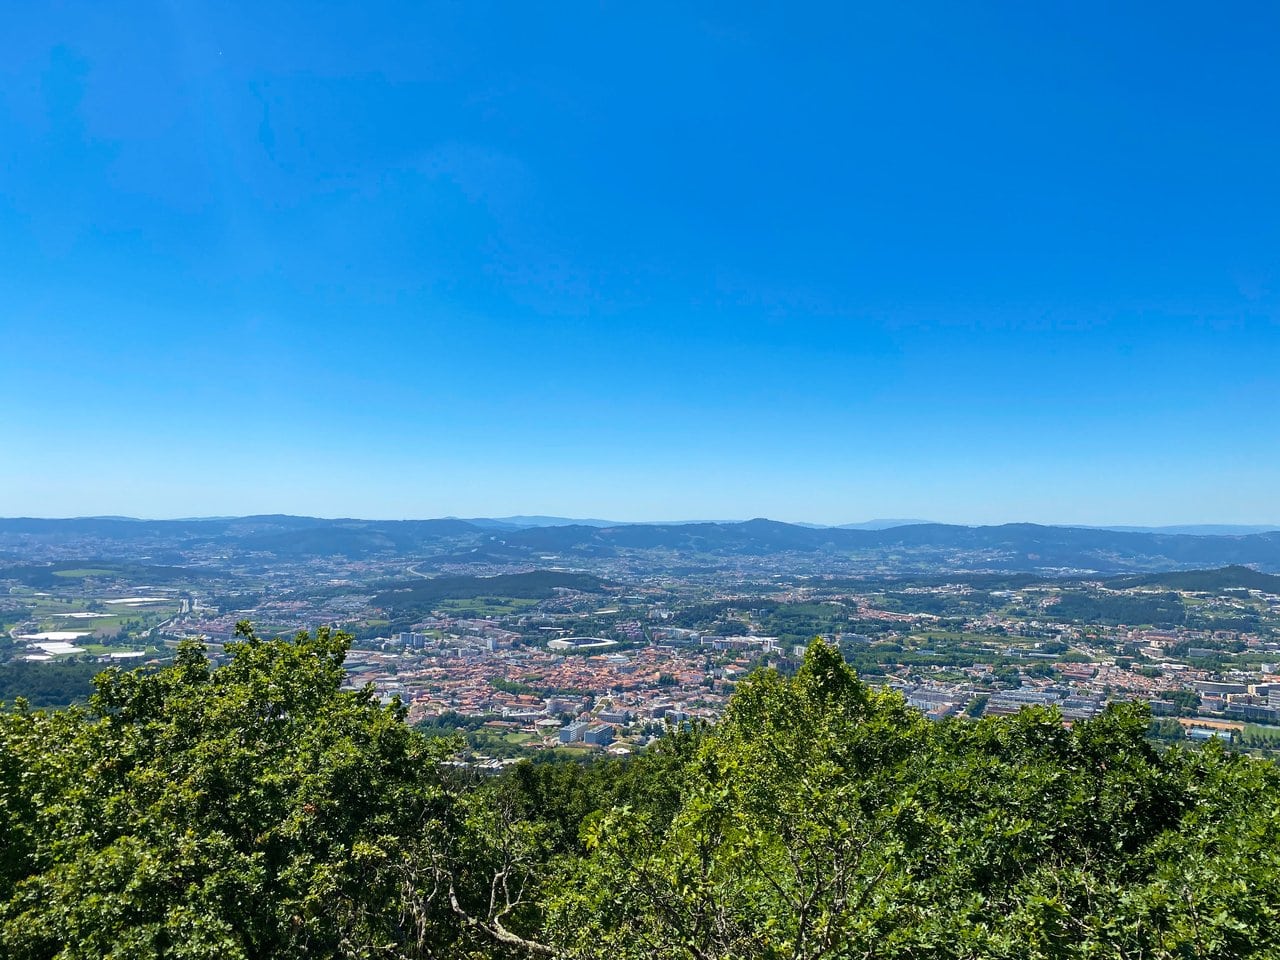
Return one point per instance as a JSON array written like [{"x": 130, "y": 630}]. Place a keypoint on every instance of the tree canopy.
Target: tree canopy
[
  {"x": 252, "y": 810},
  {"x": 257, "y": 809}
]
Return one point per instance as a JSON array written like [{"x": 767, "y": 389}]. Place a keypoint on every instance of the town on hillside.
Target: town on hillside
[{"x": 571, "y": 655}]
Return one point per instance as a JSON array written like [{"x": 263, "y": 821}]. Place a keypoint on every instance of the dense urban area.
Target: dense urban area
[{"x": 538, "y": 641}]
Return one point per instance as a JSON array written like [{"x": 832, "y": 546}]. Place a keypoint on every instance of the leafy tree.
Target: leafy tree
[
  {"x": 57, "y": 684},
  {"x": 257, "y": 810},
  {"x": 1188, "y": 701},
  {"x": 822, "y": 819},
  {"x": 253, "y": 810}
]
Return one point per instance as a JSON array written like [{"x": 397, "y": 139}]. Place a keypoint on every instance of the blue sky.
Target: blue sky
[{"x": 974, "y": 263}]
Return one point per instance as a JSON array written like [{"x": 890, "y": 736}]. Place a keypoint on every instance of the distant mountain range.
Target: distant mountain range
[
  {"x": 1005, "y": 547},
  {"x": 523, "y": 522},
  {"x": 1195, "y": 529},
  {"x": 1201, "y": 529},
  {"x": 881, "y": 524}
]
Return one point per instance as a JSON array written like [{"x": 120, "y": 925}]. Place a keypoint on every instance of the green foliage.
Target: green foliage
[
  {"x": 1167, "y": 728},
  {"x": 256, "y": 810},
  {"x": 821, "y": 819},
  {"x": 449, "y": 722},
  {"x": 248, "y": 811},
  {"x": 1205, "y": 581},
  {"x": 944, "y": 605},
  {"x": 14, "y": 613},
  {"x": 1157, "y": 609},
  {"x": 510, "y": 686},
  {"x": 1258, "y": 735},
  {"x": 58, "y": 576},
  {"x": 1188, "y": 701},
  {"x": 56, "y": 684},
  {"x": 535, "y": 585}
]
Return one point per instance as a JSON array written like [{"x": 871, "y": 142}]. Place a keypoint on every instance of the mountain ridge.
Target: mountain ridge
[{"x": 1010, "y": 546}]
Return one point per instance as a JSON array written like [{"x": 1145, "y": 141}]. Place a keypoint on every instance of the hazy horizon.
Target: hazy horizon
[{"x": 622, "y": 521}]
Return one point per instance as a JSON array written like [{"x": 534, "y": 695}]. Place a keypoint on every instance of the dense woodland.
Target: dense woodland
[
  {"x": 255, "y": 810},
  {"x": 47, "y": 684}
]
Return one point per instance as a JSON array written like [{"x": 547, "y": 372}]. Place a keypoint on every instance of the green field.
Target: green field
[
  {"x": 1257, "y": 735},
  {"x": 486, "y": 606},
  {"x": 930, "y": 637},
  {"x": 108, "y": 623},
  {"x": 102, "y": 649}
]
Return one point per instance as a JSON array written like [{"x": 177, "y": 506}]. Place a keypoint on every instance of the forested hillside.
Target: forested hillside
[
  {"x": 255, "y": 810},
  {"x": 536, "y": 585}
]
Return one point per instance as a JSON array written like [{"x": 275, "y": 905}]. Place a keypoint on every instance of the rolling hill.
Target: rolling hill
[
  {"x": 1013, "y": 547},
  {"x": 1205, "y": 581}
]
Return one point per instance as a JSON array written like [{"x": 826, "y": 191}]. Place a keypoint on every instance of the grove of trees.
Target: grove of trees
[{"x": 257, "y": 810}]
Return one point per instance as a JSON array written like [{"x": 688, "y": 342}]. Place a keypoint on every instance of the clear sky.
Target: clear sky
[{"x": 966, "y": 262}]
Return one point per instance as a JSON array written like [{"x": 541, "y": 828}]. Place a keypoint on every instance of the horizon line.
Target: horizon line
[{"x": 599, "y": 522}]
